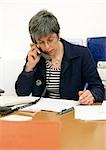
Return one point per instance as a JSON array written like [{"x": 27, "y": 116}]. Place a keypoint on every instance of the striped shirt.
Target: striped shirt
[{"x": 52, "y": 81}]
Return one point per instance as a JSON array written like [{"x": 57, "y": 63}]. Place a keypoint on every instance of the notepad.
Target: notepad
[{"x": 14, "y": 100}]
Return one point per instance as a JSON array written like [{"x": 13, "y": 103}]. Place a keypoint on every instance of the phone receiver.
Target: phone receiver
[{"x": 44, "y": 55}]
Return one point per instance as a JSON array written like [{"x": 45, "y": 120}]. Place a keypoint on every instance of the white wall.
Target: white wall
[
  {"x": 9, "y": 71},
  {"x": 78, "y": 19}
]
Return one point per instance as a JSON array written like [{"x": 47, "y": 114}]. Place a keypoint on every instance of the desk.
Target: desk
[{"x": 77, "y": 134}]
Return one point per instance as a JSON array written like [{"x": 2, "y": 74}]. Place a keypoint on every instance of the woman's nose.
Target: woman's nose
[{"x": 46, "y": 45}]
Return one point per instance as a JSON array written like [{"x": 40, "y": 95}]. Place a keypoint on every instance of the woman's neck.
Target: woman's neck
[
  {"x": 59, "y": 52},
  {"x": 57, "y": 58}
]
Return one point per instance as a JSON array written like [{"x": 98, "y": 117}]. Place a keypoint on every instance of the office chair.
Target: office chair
[{"x": 97, "y": 46}]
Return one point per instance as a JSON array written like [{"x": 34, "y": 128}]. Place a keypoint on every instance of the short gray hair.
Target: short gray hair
[{"x": 42, "y": 24}]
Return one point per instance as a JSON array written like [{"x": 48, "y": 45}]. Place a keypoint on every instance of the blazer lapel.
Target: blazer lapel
[
  {"x": 69, "y": 55},
  {"x": 64, "y": 66}
]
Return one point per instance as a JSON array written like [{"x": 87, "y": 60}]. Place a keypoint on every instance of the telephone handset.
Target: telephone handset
[{"x": 46, "y": 56}]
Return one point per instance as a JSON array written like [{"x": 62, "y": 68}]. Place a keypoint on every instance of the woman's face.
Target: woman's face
[{"x": 49, "y": 44}]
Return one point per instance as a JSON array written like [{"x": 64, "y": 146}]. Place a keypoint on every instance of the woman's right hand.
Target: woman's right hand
[{"x": 33, "y": 58}]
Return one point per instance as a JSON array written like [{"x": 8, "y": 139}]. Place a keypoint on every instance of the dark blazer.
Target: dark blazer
[{"x": 78, "y": 67}]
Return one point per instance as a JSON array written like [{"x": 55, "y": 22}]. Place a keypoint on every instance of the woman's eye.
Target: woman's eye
[
  {"x": 40, "y": 42},
  {"x": 50, "y": 40}
]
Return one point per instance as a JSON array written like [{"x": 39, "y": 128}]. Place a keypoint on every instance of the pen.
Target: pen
[
  {"x": 85, "y": 87},
  {"x": 65, "y": 111}
]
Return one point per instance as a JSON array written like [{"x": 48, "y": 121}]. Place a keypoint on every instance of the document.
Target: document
[
  {"x": 103, "y": 107},
  {"x": 89, "y": 112},
  {"x": 14, "y": 100},
  {"x": 48, "y": 104}
]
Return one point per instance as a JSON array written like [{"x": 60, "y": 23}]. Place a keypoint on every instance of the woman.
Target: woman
[{"x": 64, "y": 71}]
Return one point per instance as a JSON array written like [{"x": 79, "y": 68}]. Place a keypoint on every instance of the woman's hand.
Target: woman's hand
[
  {"x": 33, "y": 58},
  {"x": 86, "y": 97}
]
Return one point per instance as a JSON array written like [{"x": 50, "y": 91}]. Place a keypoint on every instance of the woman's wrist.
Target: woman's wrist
[{"x": 28, "y": 68}]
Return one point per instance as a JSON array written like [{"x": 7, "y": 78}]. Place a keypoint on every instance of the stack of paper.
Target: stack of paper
[
  {"x": 90, "y": 112},
  {"x": 103, "y": 107}
]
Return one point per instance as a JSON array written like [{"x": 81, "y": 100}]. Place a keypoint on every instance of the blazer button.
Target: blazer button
[{"x": 38, "y": 82}]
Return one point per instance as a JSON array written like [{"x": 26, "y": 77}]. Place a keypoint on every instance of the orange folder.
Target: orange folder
[{"x": 30, "y": 135}]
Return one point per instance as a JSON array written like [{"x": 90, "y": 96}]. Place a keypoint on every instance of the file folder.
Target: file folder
[{"x": 29, "y": 135}]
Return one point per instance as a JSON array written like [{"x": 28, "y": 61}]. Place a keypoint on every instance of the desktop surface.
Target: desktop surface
[{"x": 75, "y": 134}]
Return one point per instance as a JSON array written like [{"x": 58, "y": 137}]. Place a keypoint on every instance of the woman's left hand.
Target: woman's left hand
[{"x": 86, "y": 97}]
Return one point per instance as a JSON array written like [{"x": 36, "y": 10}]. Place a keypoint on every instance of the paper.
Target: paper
[
  {"x": 16, "y": 118},
  {"x": 90, "y": 112},
  {"x": 56, "y": 105},
  {"x": 14, "y": 100},
  {"x": 103, "y": 107}
]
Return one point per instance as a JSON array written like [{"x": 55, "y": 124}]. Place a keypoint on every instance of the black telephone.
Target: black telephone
[{"x": 46, "y": 56}]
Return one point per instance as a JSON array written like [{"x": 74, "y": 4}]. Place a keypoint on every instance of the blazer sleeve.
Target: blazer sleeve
[
  {"x": 23, "y": 85},
  {"x": 90, "y": 75}
]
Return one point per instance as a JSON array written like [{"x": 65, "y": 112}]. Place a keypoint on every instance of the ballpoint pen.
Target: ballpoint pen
[
  {"x": 65, "y": 111},
  {"x": 85, "y": 87}
]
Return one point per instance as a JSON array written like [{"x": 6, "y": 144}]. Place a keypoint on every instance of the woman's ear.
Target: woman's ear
[{"x": 58, "y": 35}]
